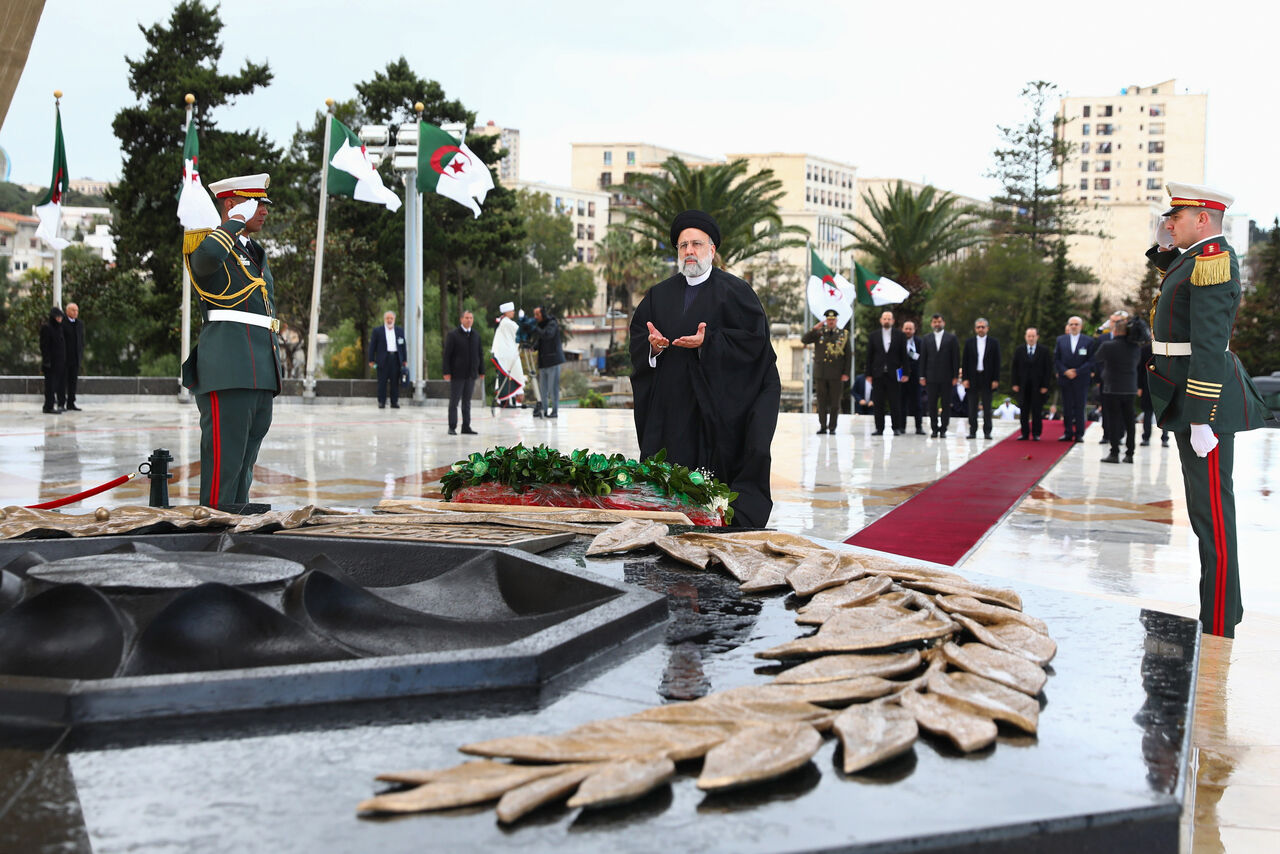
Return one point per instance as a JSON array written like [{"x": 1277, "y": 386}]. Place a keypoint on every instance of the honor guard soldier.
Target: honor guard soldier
[
  {"x": 832, "y": 359},
  {"x": 1200, "y": 391},
  {"x": 234, "y": 371}
]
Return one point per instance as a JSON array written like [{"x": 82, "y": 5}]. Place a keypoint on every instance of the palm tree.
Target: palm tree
[
  {"x": 906, "y": 231},
  {"x": 744, "y": 206},
  {"x": 628, "y": 267}
]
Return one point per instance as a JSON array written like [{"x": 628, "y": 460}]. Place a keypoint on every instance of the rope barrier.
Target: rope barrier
[{"x": 88, "y": 493}]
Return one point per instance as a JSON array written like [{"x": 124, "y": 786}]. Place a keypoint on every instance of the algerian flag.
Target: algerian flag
[
  {"x": 446, "y": 166},
  {"x": 828, "y": 290},
  {"x": 195, "y": 206},
  {"x": 878, "y": 290},
  {"x": 49, "y": 208},
  {"x": 352, "y": 173}
]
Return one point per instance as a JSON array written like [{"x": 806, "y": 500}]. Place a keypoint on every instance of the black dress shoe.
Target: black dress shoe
[
  {"x": 1113, "y": 457},
  {"x": 898, "y": 432},
  {"x": 469, "y": 431},
  {"x": 395, "y": 406},
  {"x": 1145, "y": 442},
  {"x": 49, "y": 411},
  {"x": 71, "y": 407},
  {"x": 1035, "y": 438},
  {"x": 1128, "y": 457},
  {"x": 822, "y": 431},
  {"x": 452, "y": 432},
  {"x": 986, "y": 435},
  {"x": 873, "y": 432},
  {"x": 1164, "y": 443},
  {"x": 1065, "y": 438},
  {"x": 382, "y": 406},
  {"x": 933, "y": 435},
  {"x": 942, "y": 434},
  {"x": 973, "y": 436},
  {"x": 1079, "y": 440},
  {"x": 1025, "y": 438},
  {"x": 919, "y": 431}
]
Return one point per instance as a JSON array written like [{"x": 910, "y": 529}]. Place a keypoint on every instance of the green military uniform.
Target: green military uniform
[
  {"x": 1195, "y": 379},
  {"x": 832, "y": 361},
  {"x": 234, "y": 370}
]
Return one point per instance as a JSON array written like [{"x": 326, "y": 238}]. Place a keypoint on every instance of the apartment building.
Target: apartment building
[
  {"x": 509, "y": 139},
  {"x": 601, "y": 165},
  {"x": 1124, "y": 148}
]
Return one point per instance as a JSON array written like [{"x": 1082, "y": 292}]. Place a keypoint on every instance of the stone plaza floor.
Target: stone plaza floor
[{"x": 1115, "y": 532}]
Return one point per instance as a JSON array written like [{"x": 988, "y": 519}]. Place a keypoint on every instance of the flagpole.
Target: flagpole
[
  {"x": 313, "y": 330},
  {"x": 808, "y": 360},
  {"x": 57, "y": 230},
  {"x": 184, "y": 394},
  {"x": 414, "y": 198}
]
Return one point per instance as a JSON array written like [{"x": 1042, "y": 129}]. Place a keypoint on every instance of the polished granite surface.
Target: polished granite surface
[{"x": 1116, "y": 533}]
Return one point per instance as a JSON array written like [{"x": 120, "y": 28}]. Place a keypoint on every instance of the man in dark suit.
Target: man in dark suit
[
  {"x": 1032, "y": 370},
  {"x": 861, "y": 393},
  {"x": 73, "y": 332},
  {"x": 980, "y": 367},
  {"x": 1073, "y": 363},
  {"x": 461, "y": 367},
  {"x": 886, "y": 371},
  {"x": 939, "y": 369},
  {"x": 387, "y": 354},
  {"x": 912, "y": 405}
]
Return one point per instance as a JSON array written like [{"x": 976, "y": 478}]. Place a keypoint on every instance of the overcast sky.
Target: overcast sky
[{"x": 911, "y": 90}]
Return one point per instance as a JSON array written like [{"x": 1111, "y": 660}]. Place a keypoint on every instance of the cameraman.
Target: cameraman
[
  {"x": 550, "y": 358},
  {"x": 1118, "y": 358}
]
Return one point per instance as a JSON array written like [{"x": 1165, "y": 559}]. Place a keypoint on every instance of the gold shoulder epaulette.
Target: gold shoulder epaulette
[
  {"x": 192, "y": 239},
  {"x": 1213, "y": 266}
]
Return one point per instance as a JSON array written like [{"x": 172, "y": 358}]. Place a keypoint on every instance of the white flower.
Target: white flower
[{"x": 719, "y": 504}]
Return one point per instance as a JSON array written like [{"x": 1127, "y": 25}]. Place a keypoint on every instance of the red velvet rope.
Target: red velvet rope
[{"x": 71, "y": 499}]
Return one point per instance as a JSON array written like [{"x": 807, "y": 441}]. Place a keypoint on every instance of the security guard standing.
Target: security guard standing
[
  {"x": 1200, "y": 391},
  {"x": 234, "y": 370},
  {"x": 832, "y": 359}
]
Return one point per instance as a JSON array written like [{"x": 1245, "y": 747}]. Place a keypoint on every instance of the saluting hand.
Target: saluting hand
[
  {"x": 244, "y": 211},
  {"x": 692, "y": 342}
]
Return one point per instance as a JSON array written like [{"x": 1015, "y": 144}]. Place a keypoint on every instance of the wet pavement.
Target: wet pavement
[{"x": 1119, "y": 537}]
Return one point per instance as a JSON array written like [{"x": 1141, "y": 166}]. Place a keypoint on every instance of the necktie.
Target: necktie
[{"x": 1031, "y": 351}]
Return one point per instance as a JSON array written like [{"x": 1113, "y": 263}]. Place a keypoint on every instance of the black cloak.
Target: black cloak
[{"x": 715, "y": 407}]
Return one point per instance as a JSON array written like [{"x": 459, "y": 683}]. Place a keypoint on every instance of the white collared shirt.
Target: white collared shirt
[
  {"x": 982, "y": 350},
  {"x": 1075, "y": 340},
  {"x": 887, "y": 335},
  {"x": 391, "y": 338},
  {"x": 937, "y": 339}
]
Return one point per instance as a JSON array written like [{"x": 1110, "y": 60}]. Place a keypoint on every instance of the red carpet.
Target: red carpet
[{"x": 943, "y": 522}]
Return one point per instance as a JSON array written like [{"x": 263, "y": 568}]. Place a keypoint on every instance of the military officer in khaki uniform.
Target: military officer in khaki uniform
[
  {"x": 234, "y": 370},
  {"x": 1200, "y": 391},
  {"x": 832, "y": 359}
]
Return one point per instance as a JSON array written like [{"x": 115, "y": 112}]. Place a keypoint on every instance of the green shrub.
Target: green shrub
[
  {"x": 573, "y": 384},
  {"x": 347, "y": 363},
  {"x": 592, "y": 400}
]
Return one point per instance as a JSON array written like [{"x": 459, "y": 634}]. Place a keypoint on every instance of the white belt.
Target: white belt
[
  {"x": 265, "y": 322},
  {"x": 1180, "y": 348}
]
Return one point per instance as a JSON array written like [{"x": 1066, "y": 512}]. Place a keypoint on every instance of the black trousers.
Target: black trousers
[
  {"x": 829, "y": 394},
  {"x": 389, "y": 374},
  {"x": 1117, "y": 416},
  {"x": 1032, "y": 403},
  {"x": 911, "y": 404},
  {"x": 935, "y": 394},
  {"x": 1074, "y": 395},
  {"x": 460, "y": 391},
  {"x": 73, "y": 374},
  {"x": 54, "y": 393},
  {"x": 979, "y": 390},
  {"x": 886, "y": 394}
]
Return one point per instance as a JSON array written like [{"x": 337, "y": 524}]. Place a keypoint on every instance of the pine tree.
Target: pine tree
[{"x": 182, "y": 56}]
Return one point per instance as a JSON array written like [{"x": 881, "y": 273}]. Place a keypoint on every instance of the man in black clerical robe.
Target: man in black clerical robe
[{"x": 704, "y": 374}]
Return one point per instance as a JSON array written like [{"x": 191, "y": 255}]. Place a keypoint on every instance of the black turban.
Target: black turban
[{"x": 695, "y": 219}]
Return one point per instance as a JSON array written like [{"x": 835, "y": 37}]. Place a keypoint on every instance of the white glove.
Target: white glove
[
  {"x": 244, "y": 211},
  {"x": 1202, "y": 439}
]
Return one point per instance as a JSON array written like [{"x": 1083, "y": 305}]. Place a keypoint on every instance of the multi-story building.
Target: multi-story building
[
  {"x": 601, "y": 165},
  {"x": 509, "y": 139},
  {"x": 1124, "y": 149},
  {"x": 24, "y": 250},
  {"x": 817, "y": 194},
  {"x": 90, "y": 186},
  {"x": 588, "y": 213}
]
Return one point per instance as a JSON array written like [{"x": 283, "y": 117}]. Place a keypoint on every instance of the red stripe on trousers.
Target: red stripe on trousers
[
  {"x": 1219, "y": 543},
  {"x": 215, "y": 415}
]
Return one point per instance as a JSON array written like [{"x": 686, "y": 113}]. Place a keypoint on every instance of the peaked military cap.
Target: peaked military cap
[
  {"x": 1196, "y": 196},
  {"x": 244, "y": 187}
]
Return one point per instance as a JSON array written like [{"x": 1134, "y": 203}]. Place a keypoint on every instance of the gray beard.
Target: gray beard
[{"x": 694, "y": 269}]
